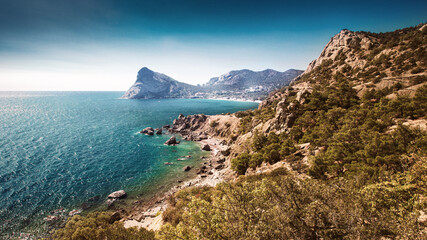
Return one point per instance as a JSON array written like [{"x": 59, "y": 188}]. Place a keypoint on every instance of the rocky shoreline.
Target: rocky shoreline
[
  {"x": 148, "y": 213},
  {"x": 214, "y": 169}
]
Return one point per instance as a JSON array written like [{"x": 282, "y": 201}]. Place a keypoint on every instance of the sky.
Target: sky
[{"x": 94, "y": 45}]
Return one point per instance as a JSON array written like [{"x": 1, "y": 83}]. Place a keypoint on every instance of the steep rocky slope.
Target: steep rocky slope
[
  {"x": 396, "y": 61},
  {"x": 339, "y": 154},
  {"x": 392, "y": 63},
  {"x": 151, "y": 84}
]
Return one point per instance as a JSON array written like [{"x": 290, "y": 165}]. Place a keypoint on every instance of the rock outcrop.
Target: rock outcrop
[
  {"x": 206, "y": 147},
  {"x": 148, "y": 131},
  {"x": 343, "y": 43},
  {"x": 186, "y": 126},
  {"x": 186, "y": 168},
  {"x": 151, "y": 84},
  {"x": 172, "y": 141},
  {"x": 117, "y": 194}
]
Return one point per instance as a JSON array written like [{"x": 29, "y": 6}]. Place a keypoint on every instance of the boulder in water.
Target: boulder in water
[
  {"x": 117, "y": 194},
  {"x": 150, "y": 133},
  {"x": 171, "y": 141},
  {"x": 146, "y": 130}
]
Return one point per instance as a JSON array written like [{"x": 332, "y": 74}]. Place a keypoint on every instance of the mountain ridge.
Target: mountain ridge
[{"x": 150, "y": 84}]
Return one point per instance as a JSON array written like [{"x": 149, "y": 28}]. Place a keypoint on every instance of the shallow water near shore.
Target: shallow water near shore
[{"x": 59, "y": 149}]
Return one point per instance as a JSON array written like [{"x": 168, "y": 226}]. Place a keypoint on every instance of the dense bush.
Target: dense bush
[
  {"x": 98, "y": 225},
  {"x": 278, "y": 206},
  {"x": 241, "y": 163},
  {"x": 368, "y": 181}
]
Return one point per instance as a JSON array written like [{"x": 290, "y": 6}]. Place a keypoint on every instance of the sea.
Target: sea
[{"x": 63, "y": 151}]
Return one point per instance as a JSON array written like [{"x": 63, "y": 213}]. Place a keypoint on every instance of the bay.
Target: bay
[{"x": 59, "y": 149}]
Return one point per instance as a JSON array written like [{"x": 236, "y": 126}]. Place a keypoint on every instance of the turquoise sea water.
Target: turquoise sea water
[{"x": 58, "y": 149}]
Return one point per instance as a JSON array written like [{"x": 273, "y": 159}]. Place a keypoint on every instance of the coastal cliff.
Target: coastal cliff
[
  {"x": 339, "y": 154},
  {"x": 151, "y": 84},
  {"x": 352, "y": 127}
]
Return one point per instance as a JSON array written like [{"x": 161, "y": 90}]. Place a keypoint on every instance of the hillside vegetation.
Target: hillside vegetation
[
  {"x": 352, "y": 164},
  {"x": 340, "y": 154}
]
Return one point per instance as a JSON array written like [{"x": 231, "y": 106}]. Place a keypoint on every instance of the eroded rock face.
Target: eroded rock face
[
  {"x": 186, "y": 125},
  {"x": 226, "y": 151},
  {"x": 116, "y": 216},
  {"x": 151, "y": 84},
  {"x": 117, "y": 194},
  {"x": 285, "y": 110},
  {"x": 206, "y": 147},
  {"x": 343, "y": 41},
  {"x": 171, "y": 141}
]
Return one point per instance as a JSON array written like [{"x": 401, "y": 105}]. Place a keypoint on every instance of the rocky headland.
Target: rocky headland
[
  {"x": 240, "y": 84},
  {"x": 346, "y": 135}
]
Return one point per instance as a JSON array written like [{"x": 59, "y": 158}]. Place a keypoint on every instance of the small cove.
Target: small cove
[{"x": 59, "y": 149}]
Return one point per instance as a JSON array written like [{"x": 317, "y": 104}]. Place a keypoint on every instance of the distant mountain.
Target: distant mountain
[
  {"x": 151, "y": 84},
  {"x": 242, "y": 84},
  {"x": 246, "y": 79}
]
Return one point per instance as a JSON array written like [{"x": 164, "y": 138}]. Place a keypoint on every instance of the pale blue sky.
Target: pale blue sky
[{"x": 100, "y": 45}]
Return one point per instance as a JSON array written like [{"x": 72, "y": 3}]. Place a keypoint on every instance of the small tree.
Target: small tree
[{"x": 241, "y": 163}]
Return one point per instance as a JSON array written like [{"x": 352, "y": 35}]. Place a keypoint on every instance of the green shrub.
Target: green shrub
[
  {"x": 97, "y": 226},
  {"x": 272, "y": 153},
  {"x": 241, "y": 163},
  {"x": 258, "y": 140},
  {"x": 256, "y": 160},
  {"x": 278, "y": 206}
]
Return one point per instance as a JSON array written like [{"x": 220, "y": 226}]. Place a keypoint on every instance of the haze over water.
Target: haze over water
[{"x": 58, "y": 149}]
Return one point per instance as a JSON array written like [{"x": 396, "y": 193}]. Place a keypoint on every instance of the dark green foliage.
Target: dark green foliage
[
  {"x": 272, "y": 153},
  {"x": 258, "y": 140},
  {"x": 256, "y": 160},
  {"x": 420, "y": 102},
  {"x": 241, "y": 163},
  {"x": 278, "y": 206},
  {"x": 178, "y": 201},
  {"x": 357, "y": 139}
]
